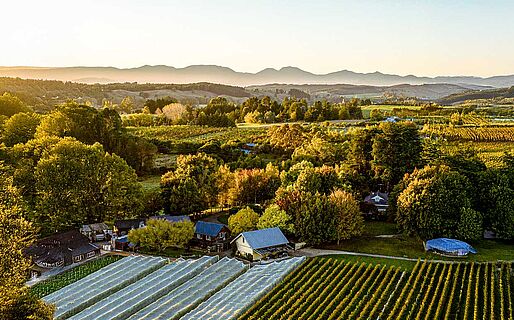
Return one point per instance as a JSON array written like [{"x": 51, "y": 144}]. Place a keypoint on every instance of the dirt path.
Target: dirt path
[{"x": 312, "y": 252}]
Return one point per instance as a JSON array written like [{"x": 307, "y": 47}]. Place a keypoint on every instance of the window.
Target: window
[
  {"x": 77, "y": 258},
  {"x": 91, "y": 254},
  {"x": 208, "y": 238},
  {"x": 198, "y": 236}
]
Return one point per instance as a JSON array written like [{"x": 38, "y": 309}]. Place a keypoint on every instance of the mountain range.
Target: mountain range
[{"x": 224, "y": 75}]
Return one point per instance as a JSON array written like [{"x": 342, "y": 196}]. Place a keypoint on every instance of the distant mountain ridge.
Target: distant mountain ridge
[{"x": 224, "y": 75}]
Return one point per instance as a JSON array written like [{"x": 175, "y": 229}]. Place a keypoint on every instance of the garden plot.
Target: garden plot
[
  {"x": 93, "y": 288},
  {"x": 190, "y": 294},
  {"x": 243, "y": 292},
  {"x": 136, "y": 296}
]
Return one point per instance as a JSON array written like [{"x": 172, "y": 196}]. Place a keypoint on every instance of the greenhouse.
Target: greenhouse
[
  {"x": 190, "y": 294},
  {"x": 451, "y": 247},
  {"x": 138, "y": 295},
  {"x": 246, "y": 290}
]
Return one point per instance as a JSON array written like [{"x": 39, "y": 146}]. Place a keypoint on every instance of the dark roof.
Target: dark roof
[
  {"x": 264, "y": 238},
  {"x": 451, "y": 246},
  {"x": 378, "y": 197},
  {"x": 208, "y": 228},
  {"x": 170, "y": 218},
  {"x": 97, "y": 227},
  {"x": 128, "y": 223},
  {"x": 53, "y": 248}
]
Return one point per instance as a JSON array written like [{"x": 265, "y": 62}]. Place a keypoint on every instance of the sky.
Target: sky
[{"x": 424, "y": 38}]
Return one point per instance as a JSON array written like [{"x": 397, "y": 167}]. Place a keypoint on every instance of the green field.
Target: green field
[
  {"x": 324, "y": 288},
  {"x": 385, "y": 108}
]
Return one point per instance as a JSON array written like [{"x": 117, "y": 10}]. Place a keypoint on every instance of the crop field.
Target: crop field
[
  {"x": 138, "y": 287},
  {"x": 195, "y": 134},
  {"x": 333, "y": 289},
  {"x": 472, "y": 133},
  {"x": 57, "y": 282}
]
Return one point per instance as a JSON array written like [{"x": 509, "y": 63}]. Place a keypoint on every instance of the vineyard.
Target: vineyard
[
  {"x": 332, "y": 289},
  {"x": 181, "y": 138},
  {"x": 471, "y": 133}
]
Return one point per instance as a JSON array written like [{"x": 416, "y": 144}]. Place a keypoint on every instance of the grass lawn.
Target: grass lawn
[
  {"x": 151, "y": 182},
  {"x": 404, "y": 265},
  {"x": 412, "y": 247}
]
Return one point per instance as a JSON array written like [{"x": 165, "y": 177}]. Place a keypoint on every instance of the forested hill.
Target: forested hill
[
  {"x": 498, "y": 94},
  {"x": 46, "y": 93}
]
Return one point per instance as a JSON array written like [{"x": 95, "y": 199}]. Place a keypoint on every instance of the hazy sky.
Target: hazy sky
[{"x": 404, "y": 37}]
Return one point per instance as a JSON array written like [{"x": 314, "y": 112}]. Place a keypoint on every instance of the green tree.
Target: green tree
[
  {"x": 349, "y": 218},
  {"x": 20, "y": 128},
  {"x": 77, "y": 184},
  {"x": 376, "y": 115},
  {"x": 432, "y": 202},
  {"x": 191, "y": 188},
  {"x": 396, "y": 151},
  {"x": 470, "y": 225},
  {"x": 16, "y": 235},
  {"x": 273, "y": 216},
  {"x": 244, "y": 220},
  {"x": 162, "y": 234},
  {"x": 11, "y": 105},
  {"x": 254, "y": 185}
]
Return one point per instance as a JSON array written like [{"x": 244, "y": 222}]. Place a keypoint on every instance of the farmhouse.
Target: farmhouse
[
  {"x": 96, "y": 231},
  {"x": 61, "y": 250},
  {"x": 261, "y": 244},
  {"x": 212, "y": 235},
  {"x": 122, "y": 227},
  {"x": 378, "y": 201}
]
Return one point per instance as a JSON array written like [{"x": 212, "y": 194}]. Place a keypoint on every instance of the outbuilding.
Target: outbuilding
[{"x": 261, "y": 244}]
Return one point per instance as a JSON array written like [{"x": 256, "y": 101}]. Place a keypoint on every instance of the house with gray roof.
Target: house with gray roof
[{"x": 261, "y": 244}]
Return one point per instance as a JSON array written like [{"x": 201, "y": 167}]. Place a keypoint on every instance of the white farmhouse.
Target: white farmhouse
[{"x": 260, "y": 244}]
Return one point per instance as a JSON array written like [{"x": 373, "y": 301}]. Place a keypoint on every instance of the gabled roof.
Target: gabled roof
[
  {"x": 98, "y": 227},
  {"x": 264, "y": 238},
  {"x": 128, "y": 223},
  {"x": 208, "y": 228},
  {"x": 378, "y": 197},
  {"x": 170, "y": 218},
  {"x": 53, "y": 248}
]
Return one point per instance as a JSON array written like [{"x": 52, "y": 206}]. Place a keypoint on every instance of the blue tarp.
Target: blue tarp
[
  {"x": 208, "y": 228},
  {"x": 449, "y": 246}
]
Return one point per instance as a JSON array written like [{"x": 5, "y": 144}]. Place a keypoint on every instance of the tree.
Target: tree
[
  {"x": 127, "y": 105},
  {"x": 396, "y": 151},
  {"x": 162, "y": 234},
  {"x": 16, "y": 235},
  {"x": 20, "y": 128},
  {"x": 470, "y": 225},
  {"x": 376, "y": 115},
  {"x": 315, "y": 218},
  {"x": 432, "y": 202},
  {"x": 78, "y": 184},
  {"x": 244, "y": 220},
  {"x": 320, "y": 151},
  {"x": 349, "y": 218},
  {"x": 273, "y": 216},
  {"x": 191, "y": 188},
  {"x": 11, "y": 105},
  {"x": 254, "y": 185}
]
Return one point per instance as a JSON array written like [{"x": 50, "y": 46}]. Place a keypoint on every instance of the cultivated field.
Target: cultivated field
[
  {"x": 334, "y": 289},
  {"x": 138, "y": 287}
]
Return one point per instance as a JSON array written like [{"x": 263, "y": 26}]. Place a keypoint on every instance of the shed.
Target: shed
[
  {"x": 259, "y": 244},
  {"x": 451, "y": 247},
  {"x": 380, "y": 200},
  {"x": 96, "y": 231}
]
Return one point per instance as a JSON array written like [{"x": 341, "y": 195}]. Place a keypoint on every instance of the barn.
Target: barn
[{"x": 261, "y": 244}]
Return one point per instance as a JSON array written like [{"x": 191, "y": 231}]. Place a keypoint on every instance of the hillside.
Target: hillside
[
  {"x": 490, "y": 94},
  {"x": 224, "y": 75}
]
